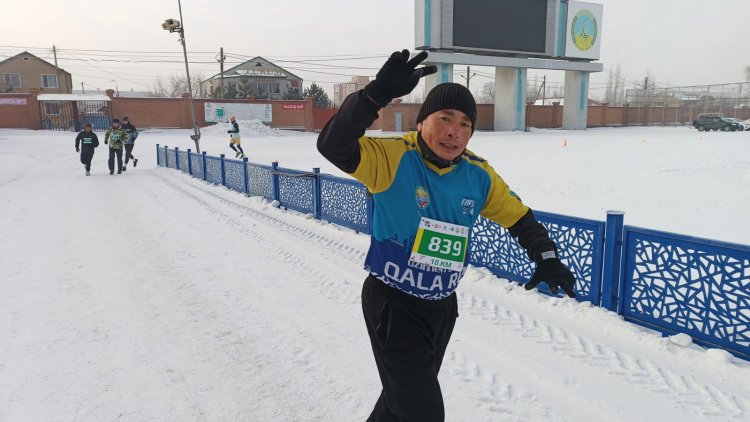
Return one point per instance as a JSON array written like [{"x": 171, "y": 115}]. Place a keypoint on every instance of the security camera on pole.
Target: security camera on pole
[{"x": 173, "y": 25}]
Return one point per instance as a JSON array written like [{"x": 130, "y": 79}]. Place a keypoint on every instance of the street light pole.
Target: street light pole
[{"x": 176, "y": 26}]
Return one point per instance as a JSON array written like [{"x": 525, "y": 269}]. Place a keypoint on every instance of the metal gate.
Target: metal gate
[{"x": 71, "y": 111}]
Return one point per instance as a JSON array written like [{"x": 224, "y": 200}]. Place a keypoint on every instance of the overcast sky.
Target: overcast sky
[{"x": 676, "y": 42}]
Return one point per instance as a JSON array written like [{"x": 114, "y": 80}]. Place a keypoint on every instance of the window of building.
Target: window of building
[
  {"x": 274, "y": 88},
  {"x": 12, "y": 80},
  {"x": 253, "y": 88},
  {"x": 262, "y": 88},
  {"x": 52, "y": 107},
  {"x": 49, "y": 81}
]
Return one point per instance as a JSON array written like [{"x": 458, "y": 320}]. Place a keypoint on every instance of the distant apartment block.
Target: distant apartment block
[{"x": 342, "y": 90}]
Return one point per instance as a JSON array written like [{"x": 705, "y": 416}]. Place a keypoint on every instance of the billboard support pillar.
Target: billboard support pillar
[
  {"x": 444, "y": 74},
  {"x": 510, "y": 98},
  {"x": 575, "y": 107}
]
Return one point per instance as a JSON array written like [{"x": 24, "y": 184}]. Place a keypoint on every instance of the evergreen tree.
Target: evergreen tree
[
  {"x": 320, "y": 98},
  {"x": 291, "y": 94}
]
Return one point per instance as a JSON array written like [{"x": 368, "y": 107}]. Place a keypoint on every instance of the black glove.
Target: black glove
[
  {"x": 105, "y": 142},
  {"x": 78, "y": 149},
  {"x": 397, "y": 77},
  {"x": 555, "y": 274},
  {"x": 229, "y": 131}
]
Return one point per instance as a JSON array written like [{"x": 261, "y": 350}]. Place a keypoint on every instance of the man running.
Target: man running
[{"x": 86, "y": 141}]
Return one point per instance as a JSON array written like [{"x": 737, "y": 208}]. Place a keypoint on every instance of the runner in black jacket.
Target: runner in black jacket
[
  {"x": 428, "y": 191},
  {"x": 86, "y": 141}
]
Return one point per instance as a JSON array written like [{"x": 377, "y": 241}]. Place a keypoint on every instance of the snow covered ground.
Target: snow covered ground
[{"x": 154, "y": 296}]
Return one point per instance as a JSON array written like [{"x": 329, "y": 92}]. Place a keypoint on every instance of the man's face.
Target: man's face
[
  {"x": 87, "y": 129},
  {"x": 446, "y": 132},
  {"x": 125, "y": 121}
]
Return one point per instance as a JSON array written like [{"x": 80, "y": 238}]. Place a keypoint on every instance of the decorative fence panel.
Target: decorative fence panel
[
  {"x": 579, "y": 242},
  {"x": 182, "y": 156},
  {"x": 260, "y": 180},
  {"x": 296, "y": 190},
  {"x": 196, "y": 165},
  {"x": 213, "y": 170},
  {"x": 668, "y": 282},
  {"x": 345, "y": 202},
  {"x": 234, "y": 175},
  {"x": 700, "y": 287},
  {"x": 171, "y": 158},
  {"x": 161, "y": 157}
]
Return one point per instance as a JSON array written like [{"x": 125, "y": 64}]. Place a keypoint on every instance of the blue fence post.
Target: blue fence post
[
  {"x": 317, "y": 195},
  {"x": 275, "y": 180},
  {"x": 166, "y": 156},
  {"x": 176, "y": 158},
  {"x": 244, "y": 171},
  {"x": 158, "y": 162},
  {"x": 205, "y": 172},
  {"x": 610, "y": 298},
  {"x": 190, "y": 163},
  {"x": 223, "y": 175}
]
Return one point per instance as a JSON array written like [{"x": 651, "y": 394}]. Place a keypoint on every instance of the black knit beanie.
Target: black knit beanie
[{"x": 449, "y": 95}]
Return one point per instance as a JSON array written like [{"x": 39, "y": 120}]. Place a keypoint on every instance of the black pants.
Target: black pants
[
  {"x": 129, "y": 152},
  {"x": 112, "y": 153},
  {"x": 86, "y": 159},
  {"x": 408, "y": 337}
]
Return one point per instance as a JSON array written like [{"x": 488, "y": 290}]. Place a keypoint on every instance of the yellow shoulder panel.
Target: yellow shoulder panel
[{"x": 380, "y": 158}]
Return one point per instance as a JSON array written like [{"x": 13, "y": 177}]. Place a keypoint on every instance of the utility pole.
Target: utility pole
[
  {"x": 57, "y": 74},
  {"x": 468, "y": 76},
  {"x": 83, "y": 90},
  {"x": 222, "y": 57}
]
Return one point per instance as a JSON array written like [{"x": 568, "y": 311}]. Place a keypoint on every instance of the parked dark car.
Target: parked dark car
[{"x": 715, "y": 122}]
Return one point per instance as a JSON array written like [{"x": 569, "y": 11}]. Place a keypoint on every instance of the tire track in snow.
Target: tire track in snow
[
  {"x": 306, "y": 262},
  {"x": 307, "y": 255},
  {"x": 682, "y": 389}
]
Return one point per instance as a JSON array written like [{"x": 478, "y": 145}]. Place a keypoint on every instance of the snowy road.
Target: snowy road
[{"x": 154, "y": 296}]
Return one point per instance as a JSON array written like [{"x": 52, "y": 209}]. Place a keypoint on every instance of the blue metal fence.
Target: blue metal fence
[
  {"x": 668, "y": 282},
  {"x": 196, "y": 164},
  {"x": 260, "y": 180},
  {"x": 345, "y": 202},
  {"x": 213, "y": 170},
  {"x": 681, "y": 284},
  {"x": 234, "y": 175},
  {"x": 182, "y": 158},
  {"x": 579, "y": 242},
  {"x": 296, "y": 189}
]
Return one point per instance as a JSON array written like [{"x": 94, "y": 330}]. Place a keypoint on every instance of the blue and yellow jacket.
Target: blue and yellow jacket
[{"x": 407, "y": 186}]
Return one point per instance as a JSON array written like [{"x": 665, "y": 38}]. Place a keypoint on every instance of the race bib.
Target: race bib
[{"x": 440, "y": 245}]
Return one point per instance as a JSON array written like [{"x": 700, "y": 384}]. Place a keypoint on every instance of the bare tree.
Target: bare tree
[
  {"x": 175, "y": 86},
  {"x": 615, "y": 87},
  {"x": 488, "y": 93}
]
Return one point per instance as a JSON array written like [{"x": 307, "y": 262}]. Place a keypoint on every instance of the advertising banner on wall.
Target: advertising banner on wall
[
  {"x": 300, "y": 106},
  {"x": 12, "y": 101},
  {"x": 584, "y": 30},
  {"x": 221, "y": 112}
]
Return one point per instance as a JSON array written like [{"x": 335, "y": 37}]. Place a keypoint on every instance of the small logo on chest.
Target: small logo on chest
[
  {"x": 467, "y": 205},
  {"x": 423, "y": 198}
]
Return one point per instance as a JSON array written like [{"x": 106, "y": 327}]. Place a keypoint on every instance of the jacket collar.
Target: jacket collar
[{"x": 432, "y": 158}]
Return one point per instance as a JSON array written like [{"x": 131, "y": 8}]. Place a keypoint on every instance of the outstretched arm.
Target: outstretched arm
[{"x": 398, "y": 77}]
